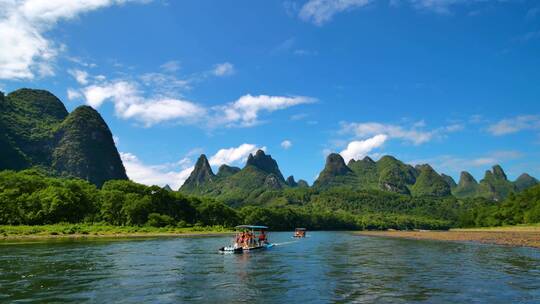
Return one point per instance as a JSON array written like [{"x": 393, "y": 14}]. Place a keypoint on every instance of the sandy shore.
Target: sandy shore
[{"x": 509, "y": 236}]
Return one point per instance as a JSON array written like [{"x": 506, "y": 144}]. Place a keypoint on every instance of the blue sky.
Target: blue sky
[{"x": 454, "y": 83}]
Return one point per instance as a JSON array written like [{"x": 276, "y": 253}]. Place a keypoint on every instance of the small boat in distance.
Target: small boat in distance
[
  {"x": 248, "y": 238},
  {"x": 300, "y": 233}
]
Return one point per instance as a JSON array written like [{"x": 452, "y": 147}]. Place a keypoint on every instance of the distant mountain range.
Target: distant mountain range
[
  {"x": 261, "y": 174},
  {"x": 37, "y": 130}
]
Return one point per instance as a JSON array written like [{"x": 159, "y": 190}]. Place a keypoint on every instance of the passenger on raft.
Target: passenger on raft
[
  {"x": 248, "y": 239},
  {"x": 262, "y": 238},
  {"x": 244, "y": 239}
]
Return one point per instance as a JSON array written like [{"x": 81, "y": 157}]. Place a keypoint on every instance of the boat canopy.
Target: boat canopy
[
  {"x": 251, "y": 227},
  {"x": 300, "y": 229}
]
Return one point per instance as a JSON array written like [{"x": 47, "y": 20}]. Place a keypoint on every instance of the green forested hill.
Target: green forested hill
[
  {"x": 28, "y": 119},
  {"x": 387, "y": 174},
  {"x": 429, "y": 183},
  {"x": 37, "y": 130},
  {"x": 467, "y": 186},
  {"x": 233, "y": 185},
  {"x": 494, "y": 186},
  {"x": 335, "y": 174},
  {"x": 520, "y": 208},
  {"x": 31, "y": 197},
  {"x": 525, "y": 181},
  {"x": 85, "y": 148},
  {"x": 261, "y": 183}
]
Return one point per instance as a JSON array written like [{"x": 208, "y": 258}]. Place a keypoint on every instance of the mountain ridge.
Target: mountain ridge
[
  {"x": 37, "y": 130},
  {"x": 388, "y": 174}
]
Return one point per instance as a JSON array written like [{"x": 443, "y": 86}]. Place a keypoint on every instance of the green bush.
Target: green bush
[{"x": 159, "y": 220}]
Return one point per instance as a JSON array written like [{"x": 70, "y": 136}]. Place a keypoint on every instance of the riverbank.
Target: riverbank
[
  {"x": 524, "y": 236},
  {"x": 76, "y": 231}
]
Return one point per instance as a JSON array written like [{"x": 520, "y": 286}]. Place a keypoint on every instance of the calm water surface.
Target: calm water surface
[{"x": 325, "y": 267}]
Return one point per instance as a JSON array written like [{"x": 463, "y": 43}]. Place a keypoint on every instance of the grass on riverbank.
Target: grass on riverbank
[{"x": 73, "y": 230}]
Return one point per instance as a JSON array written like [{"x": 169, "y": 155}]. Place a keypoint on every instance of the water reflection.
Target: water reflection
[{"x": 326, "y": 267}]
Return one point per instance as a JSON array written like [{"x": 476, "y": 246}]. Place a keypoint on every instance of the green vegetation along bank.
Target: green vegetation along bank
[
  {"x": 82, "y": 230},
  {"x": 31, "y": 198}
]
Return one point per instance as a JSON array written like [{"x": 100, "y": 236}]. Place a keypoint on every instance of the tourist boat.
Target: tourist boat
[
  {"x": 300, "y": 232},
  {"x": 248, "y": 238}
]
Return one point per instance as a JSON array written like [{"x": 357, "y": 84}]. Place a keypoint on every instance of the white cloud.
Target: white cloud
[
  {"x": 129, "y": 103},
  {"x": 154, "y": 175},
  {"x": 95, "y": 95},
  {"x": 153, "y": 111},
  {"x": 286, "y": 144},
  {"x": 171, "y": 66},
  {"x": 363, "y": 130},
  {"x": 164, "y": 83},
  {"x": 284, "y": 46},
  {"x": 291, "y": 7},
  {"x": 234, "y": 155},
  {"x": 360, "y": 149},
  {"x": 322, "y": 11},
  {"x": 299, "y": 116},
  {"x": 166, "y": 104},
  {"x": 245, "y": 110},
  {"x": 438, "y": 6},
  {"x": 174, "y": 174},
  {"x": 416, "y": 134},
  {"x": 445, "y": 6},
  {"x": 73, "y": 94},
  {"x": 515, "y": 124},
  {"x": 25, "y": 51},
  {"x": 224, "y": 69},
  {"x": 454, "y": 128},
  {"x": 455, "y": 164},
  {"x": 80, "y": 76},
  {"x": 302, "y": 52},
  {"x": 81, "y": 62}
]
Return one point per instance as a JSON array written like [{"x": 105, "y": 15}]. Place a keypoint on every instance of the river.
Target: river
[{"x": 325, "y": 267}]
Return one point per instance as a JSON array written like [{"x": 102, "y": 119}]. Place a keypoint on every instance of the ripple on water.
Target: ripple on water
[{"x": 326, "y": 267}]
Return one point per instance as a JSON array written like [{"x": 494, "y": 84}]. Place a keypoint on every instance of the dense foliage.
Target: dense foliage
[
  {"x": 494, "y": 186},
  {"x": 86, "y": 148},
  {"x": 430, "y": 182},
  {"x": 521, "y": 208},
  {"x": 28, "y": 119},
  {"x": 37, "y": 130},
  {"x": 30, "y": 197}
]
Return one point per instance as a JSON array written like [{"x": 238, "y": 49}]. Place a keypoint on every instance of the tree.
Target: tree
[
  {"x": 211, "y": 212},
  {"x": 136, "y": 209}
]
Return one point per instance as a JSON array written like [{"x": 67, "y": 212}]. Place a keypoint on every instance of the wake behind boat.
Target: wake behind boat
[{"x": 249, "y": 238}]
